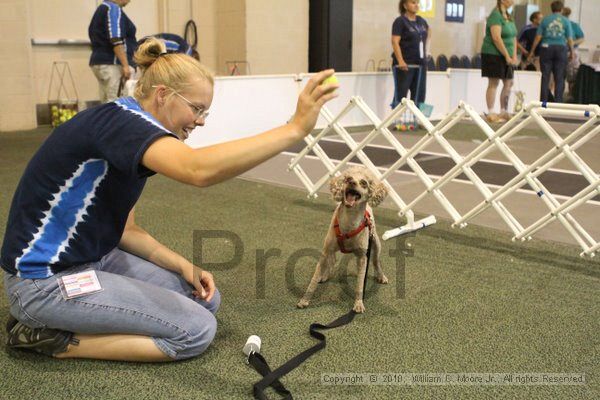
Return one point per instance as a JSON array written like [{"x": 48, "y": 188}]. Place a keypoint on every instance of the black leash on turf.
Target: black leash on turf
[{"x": 271, "y": 378}]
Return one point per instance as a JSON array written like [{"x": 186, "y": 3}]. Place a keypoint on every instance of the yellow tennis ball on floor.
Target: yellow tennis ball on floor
[{"x": 331, "y": 79}]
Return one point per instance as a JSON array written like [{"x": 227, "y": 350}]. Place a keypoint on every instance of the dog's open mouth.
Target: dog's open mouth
[{"x": 352, "y": 196}]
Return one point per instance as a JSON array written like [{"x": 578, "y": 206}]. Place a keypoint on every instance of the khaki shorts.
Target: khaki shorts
[{"x": 109, "y": 77}]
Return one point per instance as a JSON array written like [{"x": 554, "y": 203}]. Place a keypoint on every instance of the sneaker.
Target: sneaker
[
  {"x": 505, "y": 116},
  {"x": 12, "y": 321},
  {"x": 41, "y": 340},
  {"x": 494, "y": 118}
]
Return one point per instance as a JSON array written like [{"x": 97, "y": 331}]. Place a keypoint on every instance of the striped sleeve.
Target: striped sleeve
[{"x": 114, "y": 15}]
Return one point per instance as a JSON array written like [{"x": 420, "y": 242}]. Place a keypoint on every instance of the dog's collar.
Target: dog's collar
[{"x": 366, "y": 223}]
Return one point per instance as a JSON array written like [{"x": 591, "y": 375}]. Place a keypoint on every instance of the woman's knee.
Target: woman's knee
[
  {"x": 193, "y": 339},
  {"x": 214, "y": 303},
  {"x": 493, "y": 83}
]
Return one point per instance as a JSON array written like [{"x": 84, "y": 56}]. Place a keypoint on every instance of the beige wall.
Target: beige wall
[
  {"x": 63, "y": 19},
  {"x": 373, "y": 27},
  {"x": 277, "y": 36},
  {"x": 272, "y": 35},
  {"x": 371, "y": 32},
  {"x": 231, "y": 33},
  {"x": 16, "y": 98},
  {"x": 204, "y": 12}
]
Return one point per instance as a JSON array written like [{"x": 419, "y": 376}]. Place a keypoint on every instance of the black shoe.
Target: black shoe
[
  {"x": 12, "y": 321},
  {"x": 41, "y": 340}
]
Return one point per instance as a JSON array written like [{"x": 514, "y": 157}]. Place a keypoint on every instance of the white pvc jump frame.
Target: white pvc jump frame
[{"x": 527, "y": 174}]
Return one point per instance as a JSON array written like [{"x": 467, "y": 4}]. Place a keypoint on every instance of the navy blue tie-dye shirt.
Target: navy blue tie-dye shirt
[{"x": 72, "y": 202}]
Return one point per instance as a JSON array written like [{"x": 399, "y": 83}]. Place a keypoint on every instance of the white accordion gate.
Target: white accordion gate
[{"x": 496, "y": 140}]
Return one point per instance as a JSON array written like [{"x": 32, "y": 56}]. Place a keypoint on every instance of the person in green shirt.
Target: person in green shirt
[
  {"x": 554, "y": 34},
  {"x": 498, "y": 58}
]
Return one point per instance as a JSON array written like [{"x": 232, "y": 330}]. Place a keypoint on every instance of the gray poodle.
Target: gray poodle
[{"x": 357, "y": 190}]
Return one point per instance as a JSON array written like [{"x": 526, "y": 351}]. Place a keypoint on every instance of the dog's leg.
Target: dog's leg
[
  {"x": 322, "y": 267},
  {"x": 327, "y": 267},
  {"x": 361, "y": 260},
  {"x": 376, "y": 251}
]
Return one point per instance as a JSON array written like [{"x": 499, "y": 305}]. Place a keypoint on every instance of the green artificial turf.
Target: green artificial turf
[{"x": 465, "y": 301}]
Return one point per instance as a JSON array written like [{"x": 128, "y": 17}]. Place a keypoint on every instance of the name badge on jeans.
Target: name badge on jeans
[{"x": 79, "y": 284}]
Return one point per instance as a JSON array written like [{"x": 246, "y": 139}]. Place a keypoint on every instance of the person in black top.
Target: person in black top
[
  {"x": 410, "y": 34},
  {"x": 113, "y": 44},
  {"x": 525, "y": 42}
]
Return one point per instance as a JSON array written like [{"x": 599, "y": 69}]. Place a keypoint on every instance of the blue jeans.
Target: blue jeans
[
  {"x": 553, "y": 59},
  {"x": 138, "y": 298},
  {"x": 405, "y": 80}
]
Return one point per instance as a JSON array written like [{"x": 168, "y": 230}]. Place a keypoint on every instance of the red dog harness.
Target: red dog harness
[{"x": 342, "y": 236}]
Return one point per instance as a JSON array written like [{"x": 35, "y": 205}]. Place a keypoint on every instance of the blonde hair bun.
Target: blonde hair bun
[{"x": 174, "y": 70}]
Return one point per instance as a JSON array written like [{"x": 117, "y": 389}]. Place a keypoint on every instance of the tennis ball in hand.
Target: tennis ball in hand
[{"x": 331, "y": 79}]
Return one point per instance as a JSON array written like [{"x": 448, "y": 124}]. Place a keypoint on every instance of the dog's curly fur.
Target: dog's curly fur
[{"x": 356, "y": 190}]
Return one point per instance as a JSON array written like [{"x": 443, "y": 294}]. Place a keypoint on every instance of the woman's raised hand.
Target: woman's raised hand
[{"x": 313, "y": 97}]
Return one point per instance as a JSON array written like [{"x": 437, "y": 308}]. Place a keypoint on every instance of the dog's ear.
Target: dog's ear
[
  {"x": 378, "y": 193},
  {"x": 336, "y": 186}
]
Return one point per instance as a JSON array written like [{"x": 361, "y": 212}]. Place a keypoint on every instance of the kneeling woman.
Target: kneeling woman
[{"x": 73, "y": 212}]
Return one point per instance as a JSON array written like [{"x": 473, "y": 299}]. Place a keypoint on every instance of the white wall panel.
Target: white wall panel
[
  {"x": 468, "y": 85},
  {"x": 247, "y": 105}
]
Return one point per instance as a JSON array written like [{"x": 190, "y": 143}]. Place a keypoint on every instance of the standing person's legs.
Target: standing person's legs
[
  {"x": 490, "y": 93},
  {"x": 402, "y": 80},
  {"x": 412, "y": 83},
  {"x": 408, "y": 82},
  {"x": 571, "y": 74},
  {"x": 546, "y": 67},
  {"x": 109, "y": 78},
  {"x": 494, "y": 68},
  {"x": 507, "y": 85},
  {"x": 558, "y": 69},
  {"x": 396, "y": 75},
  {"x": 422, "y": 85},
  {"x": 417, "y": 84},
  {"x": 413, "y": 78},
  {"x": 405, "y": 79}
]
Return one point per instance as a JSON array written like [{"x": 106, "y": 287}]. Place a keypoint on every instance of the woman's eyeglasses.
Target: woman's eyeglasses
[{"x": 199, "y": 112}]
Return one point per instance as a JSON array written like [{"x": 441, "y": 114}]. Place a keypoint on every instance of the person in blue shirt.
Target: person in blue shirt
[
  {"x": 410, "y": 35},
  {"x": 578, "y": 38},
  {"x": 74, "y": 212},
  {"x": 112, "y": 35},
  {"x": 174, "y": 44},
  {"x": 526, "y": 38},
  {"x": 554, "y": 34}
]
